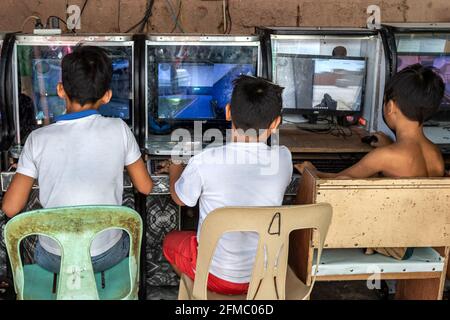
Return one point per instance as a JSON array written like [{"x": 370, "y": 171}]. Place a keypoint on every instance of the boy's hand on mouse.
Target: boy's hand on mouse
[
  {"x": 305, "y": 165},
  {"x": 383, "y": 140}
]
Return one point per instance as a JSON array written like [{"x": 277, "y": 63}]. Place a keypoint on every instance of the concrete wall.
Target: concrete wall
[{"x": 205, "y": 16}]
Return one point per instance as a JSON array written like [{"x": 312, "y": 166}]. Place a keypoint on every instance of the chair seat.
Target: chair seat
[
  {"x": 355, "y": 261},
  {"x": 39, "y": 282}
]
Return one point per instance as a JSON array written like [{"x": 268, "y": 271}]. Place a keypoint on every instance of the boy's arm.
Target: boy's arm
[
  {"x": 186, "y": 184},
  {"x": 175, "y": 171},
  {"x": 308, "y": 165},
  {"x": 373, "y": 163},
  {"x": 140, "y": 177},
  {"x": 134, "y": 163},
  {"x": 16, "y": 196}
]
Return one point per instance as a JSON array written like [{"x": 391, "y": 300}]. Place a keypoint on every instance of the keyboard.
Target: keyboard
[{"x": 334, "y": 165}]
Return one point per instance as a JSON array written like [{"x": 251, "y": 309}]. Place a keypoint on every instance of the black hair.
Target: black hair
[
  {"x": 339, "y": 51},
  {"x": 86, "y": 74},
  {"x": 27, "y": 116},
  {"x": 418, "y": 92},
  {"x": 255, "y": 102}
]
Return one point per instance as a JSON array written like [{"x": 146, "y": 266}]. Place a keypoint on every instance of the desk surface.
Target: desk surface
[{"x": 303, "y": 141}]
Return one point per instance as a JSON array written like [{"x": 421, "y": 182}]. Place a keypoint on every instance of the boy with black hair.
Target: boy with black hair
[
  {"x": 411, "y": 97},
  {"x": 244, "y": 172},
  {"x": 79, "y": 160}
]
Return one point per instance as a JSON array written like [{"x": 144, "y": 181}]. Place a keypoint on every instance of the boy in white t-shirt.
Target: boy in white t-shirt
[
  {"x": 79, "y": 160},
  {"x": 244, "y": 172}
]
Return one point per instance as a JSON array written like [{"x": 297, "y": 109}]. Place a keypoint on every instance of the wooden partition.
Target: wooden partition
[{"x": 384, "y": 212}]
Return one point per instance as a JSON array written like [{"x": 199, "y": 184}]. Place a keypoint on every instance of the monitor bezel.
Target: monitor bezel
[
  {"x": 311, "y": 111},
  {"x": 71, "y": 40},
  {"x": 173, "y": 120}
]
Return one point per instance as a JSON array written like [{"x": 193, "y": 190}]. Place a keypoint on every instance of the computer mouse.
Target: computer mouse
[{"x": 369, "y": 139}]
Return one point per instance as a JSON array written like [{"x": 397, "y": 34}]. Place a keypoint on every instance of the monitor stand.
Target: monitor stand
[{"x": 294, "y": 118}]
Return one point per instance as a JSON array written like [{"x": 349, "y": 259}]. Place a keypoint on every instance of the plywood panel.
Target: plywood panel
[
  {"x": 383, "y": 276},
  {"x": 300, "y": 249},
  {"x": 387, "y": 212}
]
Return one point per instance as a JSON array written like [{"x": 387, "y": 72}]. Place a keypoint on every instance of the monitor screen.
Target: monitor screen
[
  {"x": 195, "y": 82},
  {"x": 40, "y": 71},
  {"x": 440, "y": 62},
  {"x": 197, "y": 90},
  {"x": 321, "y": 83}
]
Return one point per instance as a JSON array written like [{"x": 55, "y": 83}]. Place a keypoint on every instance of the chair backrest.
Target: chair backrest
[
  {"x": 273, "y": 224},
  {"x": 74, "y": 228}
]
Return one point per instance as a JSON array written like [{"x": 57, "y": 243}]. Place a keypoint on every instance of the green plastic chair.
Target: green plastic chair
[{"x": 74, "y": 228}]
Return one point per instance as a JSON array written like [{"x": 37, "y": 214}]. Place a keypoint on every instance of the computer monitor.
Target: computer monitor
[
  {"x": 441, "y": 62},
  {"x": 195, "y": 82},
  {"x": 39, "y": 72},
  {"x": 321, "y": 84}
]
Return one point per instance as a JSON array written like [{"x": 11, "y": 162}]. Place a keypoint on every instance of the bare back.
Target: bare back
[
  {"x": 408, "y": 158},
  {"x": 413, "y": 158}
]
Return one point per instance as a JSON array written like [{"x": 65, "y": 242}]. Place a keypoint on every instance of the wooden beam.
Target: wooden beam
[{"x": 383, "y": 276}]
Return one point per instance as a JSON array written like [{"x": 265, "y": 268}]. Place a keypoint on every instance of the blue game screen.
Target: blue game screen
[
  {"x": 197, "y": 90},
  {"x": 40, "y": 73}
]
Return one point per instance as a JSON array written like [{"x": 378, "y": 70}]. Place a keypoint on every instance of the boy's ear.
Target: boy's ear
[
  {"x": 60, "y": 90},
  {"x": 390, "y": 107},
  {"x": 106, "y": 97},
  {"x": 275, "y": 123},
  {"x": 228, "y": 112}
]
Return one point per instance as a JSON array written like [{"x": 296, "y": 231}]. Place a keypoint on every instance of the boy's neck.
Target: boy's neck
[
  {"x": 409, "y": 131},
  {"x": 236, "y": 136},
  {"x": 72, "y": 107}
]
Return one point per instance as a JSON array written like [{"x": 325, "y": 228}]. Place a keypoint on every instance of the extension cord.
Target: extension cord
[{"x": 47, "y": 32}]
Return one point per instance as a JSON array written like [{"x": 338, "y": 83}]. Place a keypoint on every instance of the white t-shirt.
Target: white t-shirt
[
  {"x": 80, "y": 162},
  {"x": 237, "y": 174}
]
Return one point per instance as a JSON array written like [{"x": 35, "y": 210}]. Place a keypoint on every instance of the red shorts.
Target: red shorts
[{"x": 180, "y": 249}]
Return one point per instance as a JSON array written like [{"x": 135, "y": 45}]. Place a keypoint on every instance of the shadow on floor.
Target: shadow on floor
[{"x": 348, "y": 290}]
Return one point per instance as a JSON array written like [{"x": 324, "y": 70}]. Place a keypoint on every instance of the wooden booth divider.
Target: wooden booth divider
[{"x": 379, "y": 213}]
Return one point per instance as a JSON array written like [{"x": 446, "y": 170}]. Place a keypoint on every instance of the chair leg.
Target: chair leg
[
  {"x": 183, "y": 293},
  {"x": 55, "y": 279}
]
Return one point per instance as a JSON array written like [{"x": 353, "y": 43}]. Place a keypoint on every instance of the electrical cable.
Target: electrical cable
[
  {"x": 176, "y": 18},
  {"x": 38, "y": 19},
  {"x": 228, "y": 17},
  {"x": 147, "y": 16},
  {"x": 179, "y": 15},
  {"x": 118, "y": 14},
  {"x": 60, "y": 19},
  {"x": 334, "y": 128},
  {"x": 144, "y": 20},
  {"x": 81, "y": 13},
  {"x": 224, "y": 7}
]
